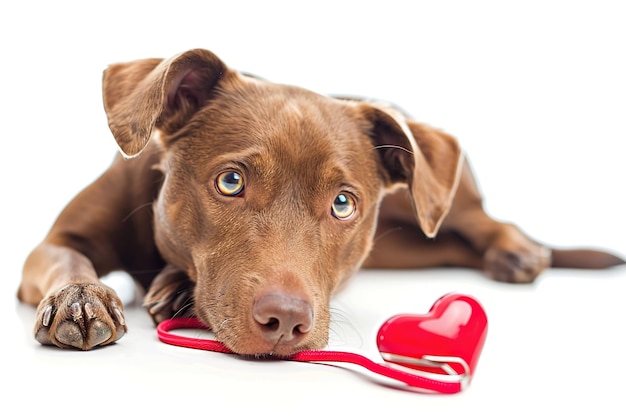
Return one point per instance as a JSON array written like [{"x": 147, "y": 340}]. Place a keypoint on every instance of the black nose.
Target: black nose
[{"x": 282, "y": 319}]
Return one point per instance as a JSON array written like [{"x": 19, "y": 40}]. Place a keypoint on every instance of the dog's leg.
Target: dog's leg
[
  {"x": 468, "y": 238},
  {"x": 107, "y": 227},
  {"x": 507, "y": 253},
  {"x": 61, "y": 275},
  {"x": 401, "y": 245},
  {"x": 170, "y": 295},
  {"x": 74, "y": 308}
]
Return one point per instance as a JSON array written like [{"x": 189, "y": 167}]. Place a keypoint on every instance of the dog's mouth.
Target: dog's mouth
[
  {"x": 271, "y": 355},
  {"x": 256, "y": 346},
  {"x": 275, "y": 327}
]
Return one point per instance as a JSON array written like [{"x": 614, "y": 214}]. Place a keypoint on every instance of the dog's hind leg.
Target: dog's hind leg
[
  {"x": 469, "y": 237},
  {"x": 403, "y": 246}
]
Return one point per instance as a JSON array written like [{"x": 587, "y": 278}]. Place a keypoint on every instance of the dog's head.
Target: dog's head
[{"x": 271, "y": 192}]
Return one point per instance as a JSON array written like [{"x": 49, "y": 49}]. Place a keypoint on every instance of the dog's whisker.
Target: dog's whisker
[
  {"x": 402, "y": 148},
  {"x": 273, "y": 349},
  {"x": 387, "y": 232},
  {"x": 223, "y": 324},
  {"x": 340, "y": 323},
  {"x": 181, "y": 311},
  {"x": 136, "y": 209}
]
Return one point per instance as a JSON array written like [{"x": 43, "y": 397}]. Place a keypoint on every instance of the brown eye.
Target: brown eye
[
  {"x": 343, "y": 207},
  {"x": 229, "y": 183}
]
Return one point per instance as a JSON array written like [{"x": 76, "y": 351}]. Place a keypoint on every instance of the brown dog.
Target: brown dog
[{"x": 248, "y": 203}]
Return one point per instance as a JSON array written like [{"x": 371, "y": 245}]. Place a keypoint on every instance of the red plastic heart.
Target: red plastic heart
[{"x": 447, "y": 340}]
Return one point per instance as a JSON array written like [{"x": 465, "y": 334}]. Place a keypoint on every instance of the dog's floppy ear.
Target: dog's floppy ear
[
  {"x": 427, "y": 160},
  {"x": 144, "y": 94}
]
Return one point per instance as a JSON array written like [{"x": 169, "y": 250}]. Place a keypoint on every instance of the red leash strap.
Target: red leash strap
[
  {"x": 436, "y": 383},
  {"x": 164, "y": 328},
  {"x": 412, "y": 380}
]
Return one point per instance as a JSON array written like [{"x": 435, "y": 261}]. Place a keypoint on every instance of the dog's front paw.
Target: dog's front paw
[
  {"x": 170, "y": 295},
  {"x": 80, "y": 316},
  {"x": 514, "y": 258}
]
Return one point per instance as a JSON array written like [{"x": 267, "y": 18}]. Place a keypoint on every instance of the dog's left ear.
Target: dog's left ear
[
  {"x": 144, "y": 94},
  {"x": 428, "y": 161}
]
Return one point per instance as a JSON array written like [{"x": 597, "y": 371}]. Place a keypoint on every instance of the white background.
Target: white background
[{"x": 534, "y": 90}]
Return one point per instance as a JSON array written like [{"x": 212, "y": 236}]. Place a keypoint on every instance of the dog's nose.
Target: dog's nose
[{"x": 283, "y": 319}]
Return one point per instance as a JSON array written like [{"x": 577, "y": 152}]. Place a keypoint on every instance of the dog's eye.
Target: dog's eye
[
  {"x": 343, "y": 207},
  {"x": 229, "y": 183}
]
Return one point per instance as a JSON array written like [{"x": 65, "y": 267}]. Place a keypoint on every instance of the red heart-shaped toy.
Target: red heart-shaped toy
[{"x": 445, "y": 341}]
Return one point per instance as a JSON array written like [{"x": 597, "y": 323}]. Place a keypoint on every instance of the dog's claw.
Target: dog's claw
[
  {"x": 155, "y": 308},
  {"x": 118, "y": 314},
  {"x": 47, "y": 313},
  {"x": 89, "y": 311},
  {"x": 77, "y": 311}
]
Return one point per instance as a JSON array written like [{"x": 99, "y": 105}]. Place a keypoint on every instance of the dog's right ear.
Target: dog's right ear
[{"x": 142, "y": 95}]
